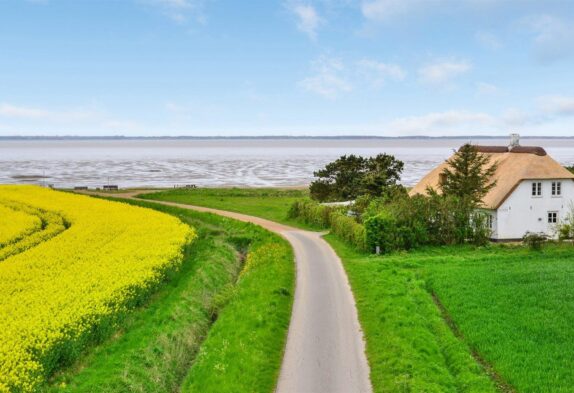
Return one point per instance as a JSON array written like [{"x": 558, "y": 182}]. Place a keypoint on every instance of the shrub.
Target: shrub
[
  {"x": 381, "y": 232},
  {"x": 411, "y": 222},
  {"x": 348, "y": 229},
  {"x": 311, "y": 213},
  {"x": 566, "y": 228},
  {"x": 565, "y": 232},
  {"x": 481, "y": 233},
  {"x": 534, "y": 241},
  {"x": 330, "y": 217}
]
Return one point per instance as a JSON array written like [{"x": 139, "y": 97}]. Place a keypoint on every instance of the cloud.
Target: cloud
[
  {"x": 31, "y": 113},
  {"x": 22, "y": 117},
  {"x": 378, "y": 72},
  {"x": 488, "y": 40},
  {"x": 484, "y": 88},
  {"x": 553, "y": 38},
  {"x": 442, "y": 73},
  {"x": 513, "y": 117},
  {"x": 328, "y": 80},
  {"x": 461, "y": 121},
  {"x": 181, "y": 10},
  {"x": 308, "y": 20},
  {"x": 557, "y": 105}
]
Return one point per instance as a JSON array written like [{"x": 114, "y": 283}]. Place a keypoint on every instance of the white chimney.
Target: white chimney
[{"x": 514, "y": 140}]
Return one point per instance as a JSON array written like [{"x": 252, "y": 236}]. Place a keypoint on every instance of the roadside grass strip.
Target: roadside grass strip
[
  {"x": 244, "y": 348},
  {"x": 237, "y": 280},
  {"x": 59, "y": 296}
]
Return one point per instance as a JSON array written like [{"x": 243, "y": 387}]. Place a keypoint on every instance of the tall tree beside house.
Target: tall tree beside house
[
  {"x": 465, "y": 181},
  {"x": 468, "y": 176},
  {"x": 352, "y": 176}
]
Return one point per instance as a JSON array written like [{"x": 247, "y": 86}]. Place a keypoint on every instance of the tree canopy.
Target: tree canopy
[
  {"x": 351, "y": 176},
  {"x": 468, "y": 175}
]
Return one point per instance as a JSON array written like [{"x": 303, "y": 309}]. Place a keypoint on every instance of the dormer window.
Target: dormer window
[
  {"x": 442, "y": 179},
  {"x": 537, "y": 189},
  {"x": 556, "y": 188}
]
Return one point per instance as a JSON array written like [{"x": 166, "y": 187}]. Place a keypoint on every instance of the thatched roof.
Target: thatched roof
[{"x": 514, "y": 165}]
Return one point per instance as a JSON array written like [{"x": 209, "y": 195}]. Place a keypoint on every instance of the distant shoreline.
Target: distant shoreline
[{"x": 266, "y": 137}]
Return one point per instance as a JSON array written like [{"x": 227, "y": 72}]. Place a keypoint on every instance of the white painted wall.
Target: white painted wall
[{"x": 521, "y": 212}]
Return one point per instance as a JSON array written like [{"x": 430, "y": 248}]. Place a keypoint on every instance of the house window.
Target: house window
[
  {"x": 537, "y": 189},
  {"x": 489, "y": 221},
  {"x": 442, "y": 179},
  {"x": 556, "y": 188},
  {"x": 552, "y": 217}
]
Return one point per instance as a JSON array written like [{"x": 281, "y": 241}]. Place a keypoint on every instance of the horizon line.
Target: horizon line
[{"x": 276, "y": 137}]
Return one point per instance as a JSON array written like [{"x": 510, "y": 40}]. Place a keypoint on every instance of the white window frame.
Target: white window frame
[
  {"x": 489, "y": 221},
  {"x": 536, "y": 190},
  {"x": 557, "y": 189},
  {"x": 555, "y": 217}
]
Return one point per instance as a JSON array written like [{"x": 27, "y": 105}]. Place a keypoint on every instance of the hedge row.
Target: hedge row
[{"x": 333, "y": 218}]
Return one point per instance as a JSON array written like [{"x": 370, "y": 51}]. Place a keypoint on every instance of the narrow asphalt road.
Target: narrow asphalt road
[{"x": 325, "y": 350}]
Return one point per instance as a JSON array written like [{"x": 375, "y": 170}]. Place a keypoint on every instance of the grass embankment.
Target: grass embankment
[
  {"x": 236, "y": 322},
  {"x": 269, "y": 203},
  {"x": 461, "y": 319}
]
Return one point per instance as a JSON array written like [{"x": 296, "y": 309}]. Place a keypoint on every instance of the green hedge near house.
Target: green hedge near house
[
  {"x": 404, "y": 224},
  {"x": 330, "y": 217},
  {"x": 348, "y": 230},
  {"x": 311, "y": 213}
]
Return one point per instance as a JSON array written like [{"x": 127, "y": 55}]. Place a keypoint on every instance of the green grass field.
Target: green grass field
[
  {"x": 167, "y": 345},
  {"x": 457, "y": 319},
  {"x": 269, "y": 203}
]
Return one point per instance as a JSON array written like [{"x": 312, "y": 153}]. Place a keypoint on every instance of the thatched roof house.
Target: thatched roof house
[{"x": 532, "y": 189}]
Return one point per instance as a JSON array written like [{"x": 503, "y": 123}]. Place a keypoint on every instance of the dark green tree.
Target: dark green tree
[
  {"x": 468, "y": 176},
  {"x": 382, "y": 175},
  {"x": 351, "y": 176},
  {"x": 339, "y": 180}
]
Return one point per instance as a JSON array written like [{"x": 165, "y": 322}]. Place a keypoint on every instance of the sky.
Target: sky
[{"x": 286, "y": 67}]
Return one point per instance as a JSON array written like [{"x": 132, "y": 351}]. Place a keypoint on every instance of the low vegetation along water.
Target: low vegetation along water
[{"x": 449, "y": 319}]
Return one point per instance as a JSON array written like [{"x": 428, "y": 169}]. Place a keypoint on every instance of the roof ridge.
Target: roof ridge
[{"x": 537, "y": 150}]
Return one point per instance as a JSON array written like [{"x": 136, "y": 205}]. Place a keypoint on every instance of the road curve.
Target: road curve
[{"x": 325, "y": 351}]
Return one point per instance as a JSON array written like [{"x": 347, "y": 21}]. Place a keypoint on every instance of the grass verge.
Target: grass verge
[
  {"x": 159, "y": 343},
  {"x": 269, "y": 203}
]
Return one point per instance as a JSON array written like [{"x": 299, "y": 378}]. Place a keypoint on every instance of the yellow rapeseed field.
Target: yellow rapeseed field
[
  {"x": 15, "y": 225},
  {"x": 68, "y": 286}
]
